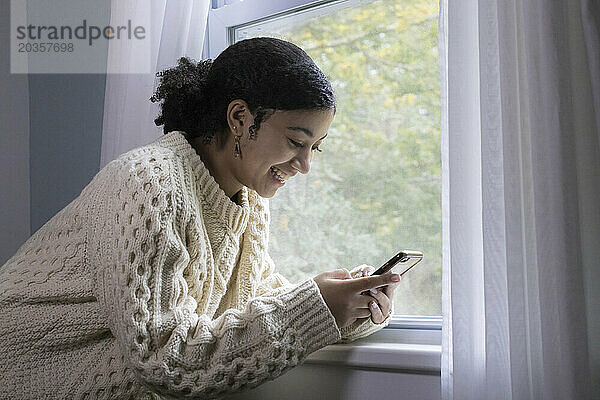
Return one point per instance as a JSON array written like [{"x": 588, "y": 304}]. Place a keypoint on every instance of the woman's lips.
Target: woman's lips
[{"x": 277, "y": 175}]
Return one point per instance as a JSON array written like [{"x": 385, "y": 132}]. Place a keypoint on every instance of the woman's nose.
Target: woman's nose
[{"x": 302, "y": 162}]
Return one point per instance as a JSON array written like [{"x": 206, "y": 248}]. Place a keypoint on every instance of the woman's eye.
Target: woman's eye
[{"x": 295, "y": 143}]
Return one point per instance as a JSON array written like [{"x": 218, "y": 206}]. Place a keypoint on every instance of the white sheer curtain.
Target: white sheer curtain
[
  {"x": 177, "y": 29},
  {"x": 521, "y": 199},
  {"x": 590, "y": 12}
]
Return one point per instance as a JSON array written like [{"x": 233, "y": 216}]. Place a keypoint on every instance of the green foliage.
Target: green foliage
[{"x": 376, "y": 188}]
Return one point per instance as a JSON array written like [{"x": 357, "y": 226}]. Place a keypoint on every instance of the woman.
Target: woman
[{"x": 157, "y": 279}]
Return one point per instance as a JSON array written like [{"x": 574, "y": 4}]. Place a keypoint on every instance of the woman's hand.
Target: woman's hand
[
  {"x": 342, "y": 294},
  {"x": 381, "y": 306}
]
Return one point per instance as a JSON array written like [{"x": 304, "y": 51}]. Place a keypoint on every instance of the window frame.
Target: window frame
[{"x": 409, "y": 342}]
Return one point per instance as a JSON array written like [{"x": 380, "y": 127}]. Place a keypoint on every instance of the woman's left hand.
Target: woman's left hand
[{"x": 383, "y": 297}]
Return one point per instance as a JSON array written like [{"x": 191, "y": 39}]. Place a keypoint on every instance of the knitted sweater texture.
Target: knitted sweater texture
[{"x": 153, "y": 282}]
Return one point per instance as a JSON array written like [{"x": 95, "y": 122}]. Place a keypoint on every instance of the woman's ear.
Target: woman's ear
[{"x": 237, "y": 114}]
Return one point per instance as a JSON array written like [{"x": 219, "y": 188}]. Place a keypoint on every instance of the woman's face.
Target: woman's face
[{"x": 284, "y": 146}]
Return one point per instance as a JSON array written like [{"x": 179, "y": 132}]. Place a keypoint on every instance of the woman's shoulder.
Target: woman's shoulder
[
  {"x": 152, "y": 157},
  {"x": 150, "y": 161},
  {"x": 144, "y": 174}
]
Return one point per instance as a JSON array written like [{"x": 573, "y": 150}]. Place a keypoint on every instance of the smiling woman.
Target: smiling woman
[
  {"x": 282, "y": 147},
  {"x": 157, "y": 278}
]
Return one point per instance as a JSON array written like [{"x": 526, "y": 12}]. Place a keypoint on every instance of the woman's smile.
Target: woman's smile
[{"x": 278, "y": 176}]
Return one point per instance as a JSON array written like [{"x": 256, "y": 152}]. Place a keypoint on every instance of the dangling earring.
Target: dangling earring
[
  {"x": 252, "y": 131},
  {"x": 236, "y": 149}
]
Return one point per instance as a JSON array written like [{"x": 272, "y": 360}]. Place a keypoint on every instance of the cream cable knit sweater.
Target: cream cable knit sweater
[{"x": 154, "y": 281}]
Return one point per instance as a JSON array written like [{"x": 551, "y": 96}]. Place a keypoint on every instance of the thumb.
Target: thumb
[
  {"x": 362, "y": 270},
  {"x": 341, "y": 273},
  {"x": 368, "y": 270},
  {"x": 369, "y": 282}
]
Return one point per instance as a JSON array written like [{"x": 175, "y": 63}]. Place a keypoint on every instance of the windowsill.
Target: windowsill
[{"x": 409, "y": 344}]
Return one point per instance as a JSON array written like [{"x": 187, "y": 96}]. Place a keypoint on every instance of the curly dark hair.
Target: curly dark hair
[{"x": 268, "y": 74}]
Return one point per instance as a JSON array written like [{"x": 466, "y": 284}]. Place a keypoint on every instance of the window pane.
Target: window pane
[{"x": 376, "y": 187}]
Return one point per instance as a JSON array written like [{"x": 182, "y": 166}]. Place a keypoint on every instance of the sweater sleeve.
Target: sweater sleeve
[
  {"x": 273, "y": 283},
  {"x": 140, "y": 258}
]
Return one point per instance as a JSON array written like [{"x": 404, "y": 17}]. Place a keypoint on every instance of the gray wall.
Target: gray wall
[
  {"x": 65, "y": 139},
  {"x": 14, "y": 148},
  {"x": 50, "y": 143}
]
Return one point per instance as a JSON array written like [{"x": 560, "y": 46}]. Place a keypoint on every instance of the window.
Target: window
[{"x": 376, "y": 187}]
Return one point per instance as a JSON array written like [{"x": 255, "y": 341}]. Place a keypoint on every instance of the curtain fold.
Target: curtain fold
[
  {"x": 520, "y": 195},
  {"x": 589, "y": 178},
  {"x": 590, "y": 14},
  {"x": 177, "y": 29}
]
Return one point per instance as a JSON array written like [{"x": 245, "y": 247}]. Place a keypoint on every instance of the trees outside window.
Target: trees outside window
[{"x": 376, "y": 187}]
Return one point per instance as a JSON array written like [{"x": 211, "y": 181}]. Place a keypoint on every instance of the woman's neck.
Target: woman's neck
[{"x": 215, "y": 160}]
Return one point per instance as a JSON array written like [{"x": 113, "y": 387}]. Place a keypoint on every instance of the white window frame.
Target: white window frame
[{"x": 409, "y": 343}]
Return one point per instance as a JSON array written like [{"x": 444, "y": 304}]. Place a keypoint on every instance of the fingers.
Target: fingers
[
  {"x": 368, "y": 282},
  {"x": 376, "y": 312},
  {"x": 389, "y": 289},
  {"x": 383, "y": 301},
  {"x": 377, "y": 306},
  {"x": 363, "y": 313}
]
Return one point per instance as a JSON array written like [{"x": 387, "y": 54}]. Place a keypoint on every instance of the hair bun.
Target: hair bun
[{"x": 203, "y": 66}]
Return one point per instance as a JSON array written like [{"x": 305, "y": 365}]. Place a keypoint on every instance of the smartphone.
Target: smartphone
[{"x": 406, "y": 260}]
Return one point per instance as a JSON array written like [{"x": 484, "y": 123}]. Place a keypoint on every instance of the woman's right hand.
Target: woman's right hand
[{"x": 342, "y": 294}]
